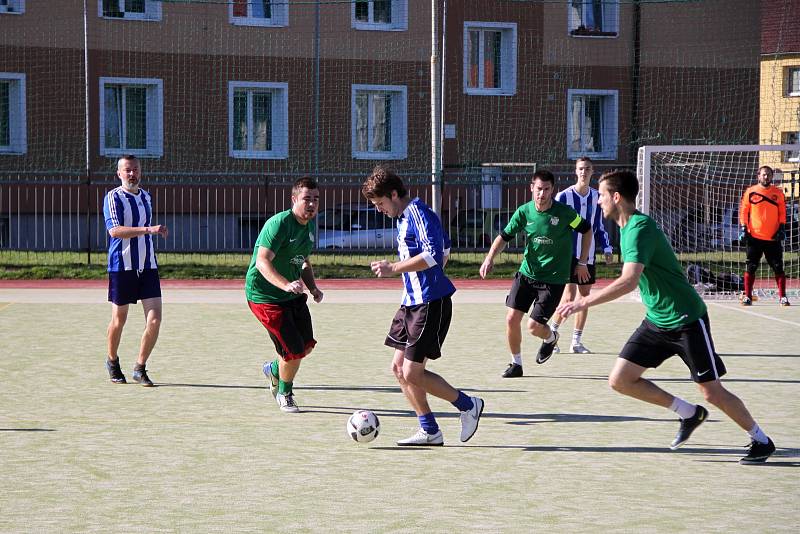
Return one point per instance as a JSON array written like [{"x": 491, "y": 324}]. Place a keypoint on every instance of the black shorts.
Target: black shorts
[
  {"x": 420, "y": 330},
  {"x": 128, "y": 287},
  {"x": 289, "y": 326},
  {"x": 650, "y": 346},
  {"x": 771, "y": 250},
  {"x": 574, "y": 279},
  {"x": 526, "y": 291}
]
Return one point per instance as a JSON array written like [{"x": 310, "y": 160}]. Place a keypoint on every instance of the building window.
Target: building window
[
  {"x": 490, "y": 58},
  {"x": 379, "y": 121},
  {"x": 12, "y": 6},
  {"x": 130, "y": 9},
  {"x": 386, "y": 15},
  {"x": 592, "y": 123},
  {"x": 131, "y": 117},
  {"x": 793, "y": 81},
  {"x": 259, "y": 12},
  {"x": 593, "y": 18},
  {"x": 13, "y": 125},
  {"x": 258, "y": 120},
  {"x": 791, "y": 138}
]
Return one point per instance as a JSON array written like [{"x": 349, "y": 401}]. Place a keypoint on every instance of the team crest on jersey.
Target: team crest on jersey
[
  {"x": 554, "y": 221},
  {"x": 297, "y": 260}
]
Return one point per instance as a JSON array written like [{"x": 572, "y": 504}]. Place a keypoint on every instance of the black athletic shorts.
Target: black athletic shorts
[
  {"x": 128, "y": 287},
  {"x": 573, "y": 279},
  {"x": 420, "y": 330},
  {"x": 650, "y": 346},
  {"x": 771, "y": 250},
  {"x": 289, "y": 326},
  {"x": 526, "y": 291}
]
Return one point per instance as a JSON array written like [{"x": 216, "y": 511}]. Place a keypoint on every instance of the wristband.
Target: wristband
[{"x": 585, "y": 264}]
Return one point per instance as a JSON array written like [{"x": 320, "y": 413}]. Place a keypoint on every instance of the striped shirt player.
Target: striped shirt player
[
  {"x": 420, "y": 325},
  {"x": 132, "y": 265},
  {"x": 586, "y": 206}
]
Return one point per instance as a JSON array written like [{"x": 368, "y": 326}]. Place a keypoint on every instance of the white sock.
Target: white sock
[
  {"x": 576, "y": 336},
  {"x": 552, "y": 336},
  {"x": 684, "y": 409},
  {"x": 554, "y": 327},
  {"x": 517, "y": 358},
  {"x": 757, "y": 434}
]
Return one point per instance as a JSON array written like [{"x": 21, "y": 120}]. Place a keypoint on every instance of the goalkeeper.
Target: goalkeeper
[{"x": 762, "y": 216}]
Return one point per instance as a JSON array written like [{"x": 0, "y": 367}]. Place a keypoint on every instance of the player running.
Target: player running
[{"x": 676, "y": 321}]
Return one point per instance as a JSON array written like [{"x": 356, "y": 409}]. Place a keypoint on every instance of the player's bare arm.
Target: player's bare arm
[
  {"x": 627, "y": 282},
  {"x": 268, "y": 271},
  {"x": 128, "y": 232},
  {"x": 582, "y": 269},
  {"x": 384, "y": 268},
  {"x": 498, "y": 245},
  {"x": 307, "y": 275}
]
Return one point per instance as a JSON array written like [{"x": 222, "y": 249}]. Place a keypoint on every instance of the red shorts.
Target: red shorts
[{"x": 289, "y": 326}]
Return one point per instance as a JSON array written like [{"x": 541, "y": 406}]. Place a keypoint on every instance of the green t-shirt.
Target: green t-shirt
[
  {"x": 292, "y": 243},
  {"x": 670, "y": 300},
  {"x": 548, "y": 245}
]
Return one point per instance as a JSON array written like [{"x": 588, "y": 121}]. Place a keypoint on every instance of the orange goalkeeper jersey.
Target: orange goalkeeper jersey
[{"x": 762, "y": 211}]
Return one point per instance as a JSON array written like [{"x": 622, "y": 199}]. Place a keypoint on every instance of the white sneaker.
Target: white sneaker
[
  {"x": 578, "y": 348},
  {"x": 422, "y": 438},
  {"x": 556, "y": 350},
  {"x": 286, "y": 403},
  {"x": 470, "y": 419},
  {"x": 784, "y": 301}
]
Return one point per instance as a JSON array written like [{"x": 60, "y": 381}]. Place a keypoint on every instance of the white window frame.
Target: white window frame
[
  {"x": 152, "y": 11},
  {"x": 610, "y": 10},
  {"x": 12, "y": 7},
  {"x": 17, "y": 116},
  {"x": 280, "y": 121},
  {"x": 610, "y": 129},
  {"x": 789, "y": 72},
  {"x": 279, "y": 18},
  {"x": 787, "y": 156},
  {"x": 399, "y": 122},
  {"x": 154, "y": 134},
  {"x": 399, "y": 17},
  {"x": 508, "y": 58}
]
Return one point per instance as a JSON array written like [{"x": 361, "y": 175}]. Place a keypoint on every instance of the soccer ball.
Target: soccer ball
[{"x": 363, "y": 426}]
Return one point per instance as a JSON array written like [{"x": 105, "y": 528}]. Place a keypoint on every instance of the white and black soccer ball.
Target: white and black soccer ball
[{"x": 363, "y": 426}]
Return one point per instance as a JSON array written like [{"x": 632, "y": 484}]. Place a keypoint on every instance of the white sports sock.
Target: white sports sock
[
  {"x": 684, "y": 409},
  {"x": 517, "y": 358},
  {"x": 757, "y": 434},
  {"x": 552, "y": 336},
  {"x": 554, "y": 327},
  {"x": 576, "y": 336}
]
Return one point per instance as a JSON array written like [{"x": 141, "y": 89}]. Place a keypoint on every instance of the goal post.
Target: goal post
[{"x": 693, "y": 192}]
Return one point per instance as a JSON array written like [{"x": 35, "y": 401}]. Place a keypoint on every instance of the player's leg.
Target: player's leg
[
  {"x": 119, "y": 314},
  {"x": 407, "y": 374},
  {"x": 580, "y": 322},
  {"x": 649, "y": 347},
  {"x": 518, "y": 302},
  {"x": 149, "y": 291},
  {"x": 773, "y": 251},
  {"x": 753, "y": 253},
  {"x": 570, "y": 291},
  {"x": 547, "y": 298}
]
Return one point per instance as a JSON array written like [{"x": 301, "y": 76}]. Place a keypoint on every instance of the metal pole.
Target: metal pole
[
  {"x": 440, "y": 162},
  {"x": 316, "y": 88},
  {"x": 436, "y": 187},
  {"x": 86, "y": 117}
]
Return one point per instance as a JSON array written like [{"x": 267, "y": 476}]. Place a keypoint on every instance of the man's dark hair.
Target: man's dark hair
[
  {"x": 770, "y": 170},
  {"x": 307, "y": 182},
  {"x": 545, "y": 176},
  {"x": 622, "y": 182},
  {"x": 382, "y": 182},
  {"x": 584, "y": 158}
]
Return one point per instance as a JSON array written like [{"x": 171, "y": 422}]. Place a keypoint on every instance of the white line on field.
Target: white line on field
[{"x": 750, "y": 312}]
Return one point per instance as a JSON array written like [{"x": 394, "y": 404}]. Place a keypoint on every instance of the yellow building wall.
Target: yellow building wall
[{"x": 778, "y": 112}]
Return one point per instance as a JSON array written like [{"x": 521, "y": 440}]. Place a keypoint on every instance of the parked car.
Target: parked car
[
  {"x": 477, "y": 228},
  {"x": 355, "y": 226}
]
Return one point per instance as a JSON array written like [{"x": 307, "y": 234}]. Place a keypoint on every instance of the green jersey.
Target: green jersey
[
  {"x": 292, "y": 243},
  {"x": 670, "y": 300},
  {"x": 548, "y": 246}
]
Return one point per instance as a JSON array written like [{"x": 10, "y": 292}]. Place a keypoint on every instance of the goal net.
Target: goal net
[{"x": 694, "y": 194}]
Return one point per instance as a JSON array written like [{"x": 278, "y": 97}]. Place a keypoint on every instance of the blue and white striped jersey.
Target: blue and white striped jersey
[
  {"x": 122, "y": 208},
  {"x": 586, "y": 206},
  {"x": 420, "y": 233}
]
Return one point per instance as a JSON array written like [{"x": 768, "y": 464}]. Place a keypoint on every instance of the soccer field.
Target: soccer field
[{"x": 209, "y": 451}]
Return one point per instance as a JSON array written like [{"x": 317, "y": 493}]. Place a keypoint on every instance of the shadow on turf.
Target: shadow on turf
[
  {"x": 27, "y": 430},
  {"x": 384, "y": 389},
  {"x": 656, "y": 379}
]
